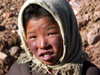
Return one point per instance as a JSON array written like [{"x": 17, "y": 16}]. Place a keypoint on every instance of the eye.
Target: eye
[
  {"x": 53, "y": 33},
  {"x": 32, "y": 37}
]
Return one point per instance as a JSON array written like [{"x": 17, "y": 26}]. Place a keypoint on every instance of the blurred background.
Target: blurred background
[{"x": 88, "y": 16}]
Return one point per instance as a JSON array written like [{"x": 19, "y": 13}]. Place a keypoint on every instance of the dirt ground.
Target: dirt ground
[{"x": 88, "y": 17}]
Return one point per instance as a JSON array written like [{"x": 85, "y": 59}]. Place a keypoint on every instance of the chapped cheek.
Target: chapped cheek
[
  {"x": 57, "y": 41},
  {"x": 32, "y": 46}
]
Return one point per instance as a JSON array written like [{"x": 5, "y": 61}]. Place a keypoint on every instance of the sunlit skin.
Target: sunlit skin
[{"x": 44, "y": 39}]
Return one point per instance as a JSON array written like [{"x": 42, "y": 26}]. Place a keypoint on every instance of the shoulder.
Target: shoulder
[
  {"x": 19, "y": 69},
  {"x": 90, "y": 69}
]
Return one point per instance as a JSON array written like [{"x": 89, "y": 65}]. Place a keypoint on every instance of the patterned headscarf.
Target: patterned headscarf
[{"x": 71, "y": 61}]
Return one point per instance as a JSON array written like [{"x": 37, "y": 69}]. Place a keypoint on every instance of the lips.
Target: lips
[{"x": 46, "y": 55}]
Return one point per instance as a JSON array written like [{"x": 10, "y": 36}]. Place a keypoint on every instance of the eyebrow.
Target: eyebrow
[
  {"x": 54, "y": 27},
  {"x": 31, "y": 32}
]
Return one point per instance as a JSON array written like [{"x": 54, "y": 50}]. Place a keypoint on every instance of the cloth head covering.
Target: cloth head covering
[{"x": 73, "y": 56}]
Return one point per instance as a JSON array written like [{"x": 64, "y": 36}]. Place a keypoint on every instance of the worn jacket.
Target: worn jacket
[{"x": 24, "y": 69}]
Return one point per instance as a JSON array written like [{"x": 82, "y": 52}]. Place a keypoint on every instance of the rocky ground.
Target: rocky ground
[{"x": 88, "y": 16}]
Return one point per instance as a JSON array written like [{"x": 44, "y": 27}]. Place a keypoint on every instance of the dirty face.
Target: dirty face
[{"x": 44, "y": 39}]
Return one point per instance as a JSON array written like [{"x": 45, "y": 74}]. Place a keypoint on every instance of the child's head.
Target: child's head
[
  {"x": 49, "y": 30},
  {"x": 43, "y": 34}
]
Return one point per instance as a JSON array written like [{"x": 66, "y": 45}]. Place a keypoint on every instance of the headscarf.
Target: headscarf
[{"x": 71, "y": 61}]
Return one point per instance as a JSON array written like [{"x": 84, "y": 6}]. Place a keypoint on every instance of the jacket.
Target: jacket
[{"x": 23, "y": 69}]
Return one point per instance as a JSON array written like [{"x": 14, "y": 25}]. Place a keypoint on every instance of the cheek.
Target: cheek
[
  {"x": 32, "y": 46},
  {"x": 57, "y": 42}
]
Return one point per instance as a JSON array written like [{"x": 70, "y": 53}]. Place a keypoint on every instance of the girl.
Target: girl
[{"x": 51, "y": 40}]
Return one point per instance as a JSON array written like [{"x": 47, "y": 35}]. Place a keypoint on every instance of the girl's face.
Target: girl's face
[{"x": 44, "y": 39}]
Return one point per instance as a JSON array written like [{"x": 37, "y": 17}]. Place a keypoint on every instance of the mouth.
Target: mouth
[{"x": 46, "y": 56}]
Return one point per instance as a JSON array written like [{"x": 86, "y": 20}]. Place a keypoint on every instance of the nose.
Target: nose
[{"x": 42, "y": 43}]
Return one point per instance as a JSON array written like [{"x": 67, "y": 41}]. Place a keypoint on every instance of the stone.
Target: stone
[
  {"x": 3, "y": 56},
  {"x": 13, "y": 31},
  {"x": 76, "y": 5},
  {"x": 96, "y": 16},
  {"x": 13, "y": 50},
  {"x": 93, "y": 36},
  {"x": 22, "y": 46},
  {"x": 7, "y": 14}
]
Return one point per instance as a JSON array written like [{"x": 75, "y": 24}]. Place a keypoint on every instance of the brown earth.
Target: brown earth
[{"x": 88, "y": 16}]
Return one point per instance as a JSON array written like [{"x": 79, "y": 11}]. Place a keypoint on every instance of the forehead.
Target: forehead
[{"x": 42, "y": 23}]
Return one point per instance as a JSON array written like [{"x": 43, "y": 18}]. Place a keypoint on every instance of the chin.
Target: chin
[{"x": 48, "y": 63}]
